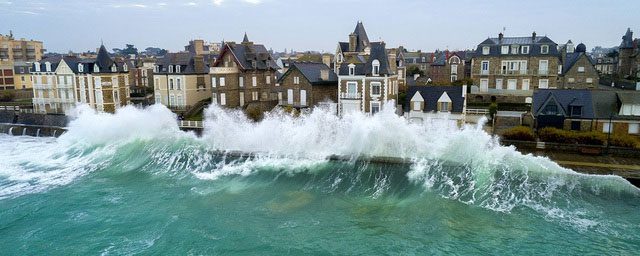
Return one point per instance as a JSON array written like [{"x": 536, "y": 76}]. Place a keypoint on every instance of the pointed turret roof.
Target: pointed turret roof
[
  {"x": 103, "y": 60},
  {"x": 627, "y": 39},
  {"x": 361, "y": 33},
  {"x": 246, "y": 38}
]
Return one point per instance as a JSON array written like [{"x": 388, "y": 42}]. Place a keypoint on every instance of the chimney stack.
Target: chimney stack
[
  {"x": 326, "y": 59},
  {"x": 198, "y": 64},
  {"x": 324, "y": 74},
  {"x": 500, "y": 36},
  {"x": 533, "y": 36},
  {"x": 353, "y": 41}
]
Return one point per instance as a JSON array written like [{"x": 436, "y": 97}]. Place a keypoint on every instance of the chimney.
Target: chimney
[
  {"x": 324, "y": 74},
  {"x": 533, "y": 36},
  {"x": 353, "y": 41},
  {"x": 500, "y": 36},
  {"x": 326, "y": 59},
  {"x": 198, "y": 64}
]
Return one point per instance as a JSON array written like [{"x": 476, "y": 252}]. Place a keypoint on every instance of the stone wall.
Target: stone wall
[{"x": 8, "y": 117}]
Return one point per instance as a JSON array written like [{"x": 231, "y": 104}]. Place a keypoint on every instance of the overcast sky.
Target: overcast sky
[{"x": 79, "y": 25}]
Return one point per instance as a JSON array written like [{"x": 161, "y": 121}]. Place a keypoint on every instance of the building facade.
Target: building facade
[
  {"x": 54, "y": 83},
  {"x": 244, "y": 74},
  {"x": 367, "y": 77},
  {"x": 12, "y": 49},
  {"x": 306, "y": 85},
  {"x": 629, "y": 56},
  {"x": 515, "y": 66},
  {"x": 578, "y": 71},
  {"x": 181, "y": 81}
]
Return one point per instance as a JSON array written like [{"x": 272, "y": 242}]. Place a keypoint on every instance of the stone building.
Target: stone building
[
  {"x": 244, "y": 74},
  {"x": 6, "y": 76},
  {"x": 367, "y": 77},
  {"x": 308, "y": 84},
  {"x": 181, "y": 81},
  {"x": 578, "y": 71},
  {"x": 511, "y": 68},
  {"x": 102, "y": 82},
  {"x": 629, "y": 56},
  {"x": 447, "y": 67},
  {"x": 12, "y": 49}
]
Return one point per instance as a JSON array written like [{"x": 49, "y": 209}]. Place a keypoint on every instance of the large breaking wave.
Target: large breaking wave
[{"x": 464, "y": 164}]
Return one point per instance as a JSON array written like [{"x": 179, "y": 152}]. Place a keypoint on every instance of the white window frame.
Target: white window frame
[
  {"x": 254, "y": 81},
  {"x": 377, "y": 84},
  {"x": 268, "y": 77},
  {"x": 543, "y": 84},
  {"x": 241, "y": 99},
  {"x": 524, "y": 50},
  {"x": 580, "y": 69},
  {"x": 484, "y": 85},
  {"x": 375, "y": 67},
  {"x": 241, "y": 81},
  {"x": 607, "y": 127},
  {"x": 513, "y": 82},
  {"x": 296, "y": 80},
  {"x": 222, "y": 81},
  {"x": 526, "y": 84},
  {"x": 483, "y": 70},
  {"x": 371, "y": 104},
  {"x": 214, "y": 82},
  {"x": 504, "y": 49},
  {"x": 544, "y": 49},
  {"x": 589, "y": 80},
  {"x": 303, "y": 98},
  {"x": 634, "y": 128},
  {"x": 486, "y": 50},
  {"x": 178, "y": 68},
  {"x": 355, "y": 88},
  {"x": 499, "y": 84},
  {"x": 223, "y": 99},
  {"x": 416, "y": 105}
]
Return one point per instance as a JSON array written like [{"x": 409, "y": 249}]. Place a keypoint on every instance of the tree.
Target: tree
[
  {"x": 613, "y": 54},
  {"x": 130, "y": 49},
  {"x": 412, "y": 70}
]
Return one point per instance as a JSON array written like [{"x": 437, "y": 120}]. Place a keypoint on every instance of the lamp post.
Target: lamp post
[{"x": 609, "y": 133}]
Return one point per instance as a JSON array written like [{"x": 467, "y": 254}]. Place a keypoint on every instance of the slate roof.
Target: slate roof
[
  {"x": 534, "y": 45},
  {"x": 363, "y": 63},
  {"x": 362, "y": 40},
  {"x": 185, "y": 60},
  {"x": 627, "y": 39},
  {"x": 311, "y": 71},
  {"x": 564, "y": 98},
  {"x": 431, "y": 94},
  {"x": 248, "y": 53},
  {"x": 629, "y": 97}
]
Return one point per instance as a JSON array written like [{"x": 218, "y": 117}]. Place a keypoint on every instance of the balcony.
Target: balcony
[
  {"x": 516, "y": 73},
  {"x": 296, "y": 104},
  {"x": 354, "y": 96},
  {"x": 223, "y": 70}
]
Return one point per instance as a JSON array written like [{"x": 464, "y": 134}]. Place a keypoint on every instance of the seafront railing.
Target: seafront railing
[{"x": 191, "y": 124}]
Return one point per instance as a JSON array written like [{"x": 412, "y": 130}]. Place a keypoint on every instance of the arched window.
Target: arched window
[
  {"x": 47, "y": 66},
  {"x": 80, "y": 67},
  {"x": 125, "y": 67},
  {"x": 114, "y": 68},
  {"x": 96, "y": 69},
  {"x": 454, "y": 60},
  {"x": 37, "y": 66},
  {"x": 178, "y": 68},
  {"x": 170, "y": 68},
  {"x": 376, "y": 67},
  {"x": 340, "y": 57}
]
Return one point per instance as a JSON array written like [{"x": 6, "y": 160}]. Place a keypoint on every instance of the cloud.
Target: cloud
[
  {"x": 253, "y": 1},
  {"x": 139, "y": 5},
  {"x": 28, "y": 12},
  {"x": 218, "y": 2},
  {"x": 191, "y": 4}
]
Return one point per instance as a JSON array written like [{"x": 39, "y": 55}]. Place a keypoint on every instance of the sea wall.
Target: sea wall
[
  {"x": 531, "y": 146},
  {"x": 41, "y": 125}
]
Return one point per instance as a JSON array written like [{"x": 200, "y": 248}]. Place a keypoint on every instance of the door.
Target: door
[
  {"x": 575, "y": 125},
  {"x": 290, "y": 96},
  {"x": 484, "y": 85}
]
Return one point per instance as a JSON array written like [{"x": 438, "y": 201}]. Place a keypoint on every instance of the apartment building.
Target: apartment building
[
  {"x": 181, "y": 81},
  {"x": 12, "y": 49}
]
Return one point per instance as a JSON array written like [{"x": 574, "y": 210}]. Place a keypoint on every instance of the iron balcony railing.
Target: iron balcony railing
[{"x": 346, "y": 95}]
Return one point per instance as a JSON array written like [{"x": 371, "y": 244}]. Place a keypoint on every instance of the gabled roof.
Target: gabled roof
[
  {"x": 248, "y": 56},
  {"x": 564, "y": 99},
  {"x": 431, "y": 95},
  {"x": 363, "y": 63},
  {"x": 534, "y": 43},
  {"x": 185, "y": 60},
  {"x": 627, "y": 39},
  {"x": 312, "y": 72}
]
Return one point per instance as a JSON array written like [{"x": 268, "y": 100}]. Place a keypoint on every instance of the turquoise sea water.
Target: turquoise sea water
[{"x": 175, "y": 194}]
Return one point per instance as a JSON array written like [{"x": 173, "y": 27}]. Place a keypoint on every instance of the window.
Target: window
[
  {"x": 268, "y": 79},
  {"x": 416, "y": 106},
  {"x": 254, "y": 96},
  {"x": 156, "y": 69},
  {"x": 544, "y": 49},
  {"x": 222, "y": 82},
  {"x": 114, "y": 68},
  {"x": 254, "y": 81},
  {"x": 178, "y": 84},
  {"x": 571, "y": 80},
  {"x": 170, "y": 68},
  {"x": 303, "y": 98},
  {"x": 484, "y": 85},
  {"x": 352, "y": 69},
  {"x": 581, "y": 69},
  {"x": 525, "y": 84},
  {"x": 375, "y": 107},
  {"x": 443, "y": 106},
  {"x": 352, "y": 88},
  {"x": 214, "y": 99},
  {"x": 454, "y": 78},
  {"x": 37, "y": 65},
  {"x": 499, "y": 84},
  {"x": 576, "y": 110},
  {"x": 340, "y": 57},
  {"x": 505, "y": 49},
  {"x": 512, "y": 84},
  {"x": 47, "y": 66},
  {"x": 223, "y": 99},
  {"x": 514, "y": 49},
  {"x": 125, "y": 68},
  {"x": 454, "y": 69},
  {"x": 543, "y": 83},
  {"x": 376, "y": 87},
  {"x": 171, "y": 84},
  {"x": 607, "y": 127},
  {"x": 485, "y": 50},
  {"x": 296, "y": 80},
  {"x": 589, "y": 80},
  {"x": 241, "y": 99},
  {"x": 550, "y": 110},
  {"x": 290, "y": 96},
  {"x": 213, "y": 82},
  {"x": 525, "y": 49},
  {"x": 485, "y": 67},
  {"x": 178, "y": 68},
  {"x": 543, "y": 67},
  {"x": 634, "y": 128},
  {"x": 376, "y": 67},
  {"x": 80, "y": 68}
]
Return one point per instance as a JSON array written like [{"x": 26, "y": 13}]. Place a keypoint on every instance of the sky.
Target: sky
[{"x": 80, "y": 25}]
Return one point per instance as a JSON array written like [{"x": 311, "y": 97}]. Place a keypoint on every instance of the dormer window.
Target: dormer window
[
  {"x": 80, "y": 68},
  {"x": 170, "y": 68},
  {"x": 47, "y": 66},
  {"x": 544, "y": 49},
  {"x": 576, "y": 110},
  {"x": 352, "y": 70},
  {"x": 96, "y": 69},
  {"x": 340, "y": 59},
  {"x": 37, "y": 65},
  {"x": 178, "y": 68},
  {"x": 376, "y": 67},
  {"x": 514, "y": 49},
  {"x": 485, "y": 50},
  {"x": 114, "y": 68},
  {"x": 525, "y": 49},
  {"x": 125, "y": 67},
  {"x": 156, "y": 69},
  {"x": 505, "y": 49}
]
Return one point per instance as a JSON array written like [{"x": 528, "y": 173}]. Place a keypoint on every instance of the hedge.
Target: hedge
[
  {"x": 519, "y": 133},
  {"x": 549, "y": 134}
]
